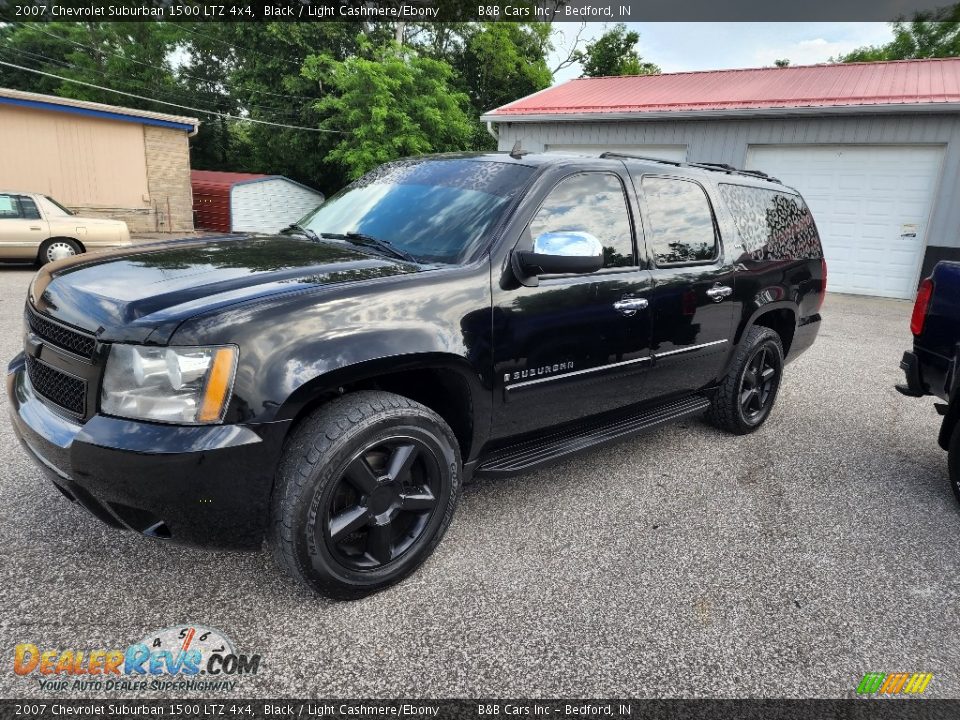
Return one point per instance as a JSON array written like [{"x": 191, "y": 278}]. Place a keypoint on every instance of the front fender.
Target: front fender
[{"x": 313, "y": 342}]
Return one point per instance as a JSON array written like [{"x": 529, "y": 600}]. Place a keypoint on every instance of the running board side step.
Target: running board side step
[{"x": 524, "y": 456}]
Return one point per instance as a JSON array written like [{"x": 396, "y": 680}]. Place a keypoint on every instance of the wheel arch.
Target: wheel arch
[
  {"x": 54, "y": 238},
  {"x": 781, "y": 317},
  {"x": 444, "y": 383}
]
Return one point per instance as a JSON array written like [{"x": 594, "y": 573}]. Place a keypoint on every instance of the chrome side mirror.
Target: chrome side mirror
[{"x": 564, "y": 251}]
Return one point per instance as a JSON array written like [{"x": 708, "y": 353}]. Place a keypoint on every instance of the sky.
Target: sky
[{"x": 678, "y": 47}]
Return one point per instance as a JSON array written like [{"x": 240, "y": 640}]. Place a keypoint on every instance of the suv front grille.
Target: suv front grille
[
  {"x": 69, "y": 340},
  {"x": 68, "y": 392}
]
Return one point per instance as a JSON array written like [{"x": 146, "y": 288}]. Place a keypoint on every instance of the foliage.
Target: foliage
[
  {"x": 928, "y": 35},
  {"x": 614, "y": 53},
  {"x": 389, "y": 102},
  {"x": 501, "y": 62}
]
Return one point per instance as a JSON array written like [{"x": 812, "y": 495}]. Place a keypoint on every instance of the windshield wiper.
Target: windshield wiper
[
  {"x": 296, "y": 227},
  {"x": 370, "y": 241}
]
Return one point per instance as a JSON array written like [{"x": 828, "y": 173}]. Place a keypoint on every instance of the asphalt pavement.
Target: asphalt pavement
[{"x": 681, "y": 563}]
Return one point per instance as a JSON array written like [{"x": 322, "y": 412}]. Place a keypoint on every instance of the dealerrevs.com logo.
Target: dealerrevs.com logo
[{"x": 185, "y": 657}]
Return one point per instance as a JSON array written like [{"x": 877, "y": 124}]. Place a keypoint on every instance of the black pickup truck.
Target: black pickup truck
[
  {"x": 329, "y": 389},
  {"x": 931, "y": 367}
]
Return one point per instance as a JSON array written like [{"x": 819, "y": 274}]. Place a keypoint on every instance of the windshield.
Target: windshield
[{"x": 435, "y": 210}]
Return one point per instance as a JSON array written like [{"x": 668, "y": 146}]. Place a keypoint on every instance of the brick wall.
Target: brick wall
[
  {"x": 168, "y": 179},
  {"x": 138, "y": 220}
]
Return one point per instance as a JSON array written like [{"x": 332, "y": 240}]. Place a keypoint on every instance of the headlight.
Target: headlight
[{"x": 186, "y": 385}]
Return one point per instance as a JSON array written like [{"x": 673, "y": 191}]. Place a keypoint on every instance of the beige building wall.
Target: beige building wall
[{"x": 99, "y": 167}]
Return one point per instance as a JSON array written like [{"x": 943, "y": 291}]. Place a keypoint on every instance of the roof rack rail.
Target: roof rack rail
[
  {"x": 715, "y": 167},
  {"x": 640, "y": 157},
  {"x": 730, "y": 170}
]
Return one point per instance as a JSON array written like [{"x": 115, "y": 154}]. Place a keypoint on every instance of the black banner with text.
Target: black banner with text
[{"x": 459, "y": 10}]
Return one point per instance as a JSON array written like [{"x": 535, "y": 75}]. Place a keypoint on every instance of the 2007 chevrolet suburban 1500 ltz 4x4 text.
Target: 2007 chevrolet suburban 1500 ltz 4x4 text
[{"x": 330, "y": 388}]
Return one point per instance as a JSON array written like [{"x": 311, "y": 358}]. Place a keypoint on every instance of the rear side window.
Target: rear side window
[
  {"x": 679, "y": 222},
  {"x": 591, "y": 202},
  {"x": 773, "y": 225},
  {"x": 29, "y": 208}
]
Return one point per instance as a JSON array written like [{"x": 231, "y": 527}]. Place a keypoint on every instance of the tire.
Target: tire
[
  {"x": 366, "y": 488},
  {"x": 953, "y": 461},
  {"x": 743, "y": 401},
  {"x": 56, "y": 249}
]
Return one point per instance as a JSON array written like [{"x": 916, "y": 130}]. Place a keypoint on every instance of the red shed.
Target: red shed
[{"x": 247, "y": 202}]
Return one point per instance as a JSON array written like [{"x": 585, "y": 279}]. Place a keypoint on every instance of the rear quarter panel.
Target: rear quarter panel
[
  {"x": 937, "y": 346},
  {"x": 786, "y": 278}
]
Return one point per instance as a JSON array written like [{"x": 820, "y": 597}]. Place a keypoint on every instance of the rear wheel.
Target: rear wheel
[
  {"x": 745, "y": 397},
  {"x": 57, "y": 249},
  {"x": 366, "y": 489}
]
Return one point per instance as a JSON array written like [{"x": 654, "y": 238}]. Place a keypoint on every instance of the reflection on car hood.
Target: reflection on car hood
[{"x": 162, "y": 284}]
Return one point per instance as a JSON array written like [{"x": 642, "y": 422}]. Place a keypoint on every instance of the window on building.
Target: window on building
[
  {"x": 679, "y": 222},
  {"x": 594, "y": 203}
]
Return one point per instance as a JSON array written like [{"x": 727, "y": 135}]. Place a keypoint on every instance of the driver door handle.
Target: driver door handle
[
  {"x": 718, "y": 292},
  {"x": 629, "y": 305}
]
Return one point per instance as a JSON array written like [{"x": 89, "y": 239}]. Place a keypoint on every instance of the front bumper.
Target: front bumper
[{"x": 205, "y": 485}]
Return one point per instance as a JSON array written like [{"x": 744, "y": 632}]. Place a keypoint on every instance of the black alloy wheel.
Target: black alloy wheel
[
  {"x": 383, "y": 503},
  {"x": 758, "y": 383},
  {"x": 745, "y": 396},
  {"x": 366, "y": 488}
]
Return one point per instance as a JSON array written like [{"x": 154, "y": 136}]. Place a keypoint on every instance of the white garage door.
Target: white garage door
[
  {"x": 677, "y": 153},
  {"x": 871, "y": 204}
]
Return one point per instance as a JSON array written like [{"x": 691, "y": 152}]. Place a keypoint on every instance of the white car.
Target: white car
[{"x": 38, "y": 228}]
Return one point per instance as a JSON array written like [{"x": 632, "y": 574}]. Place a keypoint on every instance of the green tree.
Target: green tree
[
  {"x": 499, "y": 63},
  {"x": 928, "y": 35},
  {"x": 389, "y": 102},
  {"x": 268, "y": 81},
  {"x": 614, "y": 53},
  {"x": 782, "y": 63},
  {"x": 132, "y": 57}
]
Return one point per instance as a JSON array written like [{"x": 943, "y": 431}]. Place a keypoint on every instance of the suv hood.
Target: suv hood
[{"x": 132, "y": 295}]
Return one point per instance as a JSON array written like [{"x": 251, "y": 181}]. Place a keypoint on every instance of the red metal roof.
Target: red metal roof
[{"x": 904, "y": 82}]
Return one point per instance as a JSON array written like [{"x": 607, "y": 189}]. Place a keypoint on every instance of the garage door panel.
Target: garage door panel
[
  {"x": 846, "y": 207},
  {"x": 862, "y": 197}
]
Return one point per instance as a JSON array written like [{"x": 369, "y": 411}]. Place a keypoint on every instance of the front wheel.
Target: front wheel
[
  {"x": 366, "y": 489},
  {"x": 745, "y": 397}
]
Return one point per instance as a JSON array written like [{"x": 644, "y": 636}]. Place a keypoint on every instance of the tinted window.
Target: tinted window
[
  {"x": 9, "y": 207},
  {"x": 436, "y": 210},
  {"x": 593, "y": 203},
  {"x": 773, "y": 225},
  {"x": 29, "y": 208},
  {"x": 679, "y": 222}
]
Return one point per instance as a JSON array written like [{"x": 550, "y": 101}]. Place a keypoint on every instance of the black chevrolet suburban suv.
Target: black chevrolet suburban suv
[{"x": 330, "y": 388}]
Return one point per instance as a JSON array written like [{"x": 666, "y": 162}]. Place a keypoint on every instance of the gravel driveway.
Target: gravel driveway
[{"x": 682, "y": 563}]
